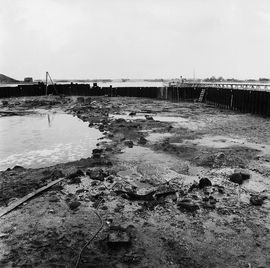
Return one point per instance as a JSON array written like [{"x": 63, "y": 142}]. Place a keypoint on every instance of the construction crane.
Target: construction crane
[{"x": 48, "y": 76}]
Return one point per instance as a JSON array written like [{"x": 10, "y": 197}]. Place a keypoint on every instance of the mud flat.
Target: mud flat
[{"x": 167, "y": 185}]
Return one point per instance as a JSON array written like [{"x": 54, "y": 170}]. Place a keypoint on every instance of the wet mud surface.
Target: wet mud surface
[{"x": 168, "y": 185}]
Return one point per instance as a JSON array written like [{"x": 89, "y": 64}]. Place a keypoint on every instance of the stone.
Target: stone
[
  {"x": 97, "y": 153},
  {"x": 75, "y": 180},
  {"x": 257, "y": 200},
  {"x": 220, "y": 155},
  {"x": 221, "y": 189},
  {"x": 188, "y": 204},
  {"x": 239, "y": 176},
  {"x": 95, "y": 174},
  {"x": 128, "y": 143},
  {"x": 142, "y": 141},
  {"x": 74, "y": 177},
  {"x": 18, "y": 168},
  {"x": 118, "y": 237},
  {"x": 148, "y": 117},
  {"x": 53, "y": 199},
  {"x": 75, "y": 204},
  {"x": 204, "y": 182}
]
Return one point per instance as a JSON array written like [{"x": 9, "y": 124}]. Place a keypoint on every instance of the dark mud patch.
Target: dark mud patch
[
  {"x": 17, "y": 183},
  {"x": 234, "y": 156}
]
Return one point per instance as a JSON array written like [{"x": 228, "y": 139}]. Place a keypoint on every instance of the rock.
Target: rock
[
  {"x": 188, "y": 204},
  {"x": 95, "y": 174},
  {"x": 245, "y": 173},
  {"x": 148, "y": 117},
  {"x": 257, "y": 200},
  {"x": 75, "y": 180},
  {"x": 239, "y": 176},
  {"x": 73, "y": 177},
  {"x": 118, "y": 237},
  {"x": 142, "y": 141},
  {"x": 75, "y": 204},
  {"x": 53, "y": 199},
  {"x": 18, "y": 168},
  {"x": 205, "y": 199},
  {"x": 220, "y": 155},
  {"x": 193, "y": 186},
  {"x": 110, "y": 179},
  {"x": 221, "y": 189},
  {"x": 101, "y": 128},
  {"x": 204, "y": 182},
  {"x": 97, "y": 153},
  {"x": 128, "y": 143}
]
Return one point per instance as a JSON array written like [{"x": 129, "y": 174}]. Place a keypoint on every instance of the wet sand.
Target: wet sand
[{"x": 147, "y": 165}]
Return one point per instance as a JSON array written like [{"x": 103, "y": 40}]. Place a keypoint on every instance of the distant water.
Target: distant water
[
  {"x": 107, "y": 84},
  {"x": 45, "y": 139}
]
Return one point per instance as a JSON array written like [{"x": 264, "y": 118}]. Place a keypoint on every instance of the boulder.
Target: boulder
[
  {"x": 128, "y": 143},
  {"x": 204, "y": 182},
  {"x": 257, "y": 200},
  {"x": 239, "y": 176}
]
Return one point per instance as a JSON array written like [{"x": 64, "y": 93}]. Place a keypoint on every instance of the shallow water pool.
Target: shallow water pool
[{"x": 44, "y": 139}]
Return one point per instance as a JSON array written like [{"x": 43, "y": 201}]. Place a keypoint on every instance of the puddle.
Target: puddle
[{"x": 44, "y": 139}]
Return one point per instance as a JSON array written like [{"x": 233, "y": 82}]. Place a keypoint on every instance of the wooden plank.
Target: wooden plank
[{"x": 27, "y": 197}]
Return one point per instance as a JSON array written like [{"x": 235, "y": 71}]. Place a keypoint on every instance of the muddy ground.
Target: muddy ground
[{"x": 141, "y": 199}]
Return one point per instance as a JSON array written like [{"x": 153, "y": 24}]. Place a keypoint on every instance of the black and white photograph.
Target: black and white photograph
[{"x": 134, "y": 134}]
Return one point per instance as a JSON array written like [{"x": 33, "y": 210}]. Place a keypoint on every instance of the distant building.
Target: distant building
[{"x": 28, "y": 80}]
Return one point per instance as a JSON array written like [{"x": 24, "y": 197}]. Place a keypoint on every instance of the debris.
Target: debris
[
  {"x": 128, "y": 143},
  {"x": 75, "y": 174},
  {"x": 118, "y": 237},
  {"x": 204, "y": 182},
  {"x": 4, "y": 235},
  {"x": 257, "y": 200},
  {"x": 188, "y": 204},
  {"x": 95, "y": 174},
  {"x": 142, "y": 141},
  {"x": 134, "y": 196},
  {"x": 148, "y": 117},
  {"x": 27, "y": 197}
]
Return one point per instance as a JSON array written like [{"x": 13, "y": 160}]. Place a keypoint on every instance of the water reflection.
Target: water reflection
[{"x": 44, "y": 139}]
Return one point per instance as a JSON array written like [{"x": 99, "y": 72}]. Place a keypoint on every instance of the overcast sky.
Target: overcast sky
[{"x": 135, "y": 38}]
